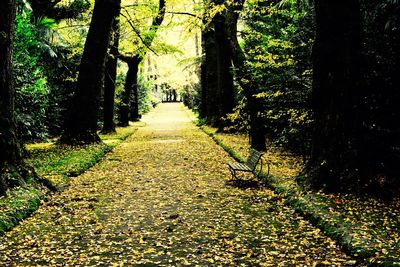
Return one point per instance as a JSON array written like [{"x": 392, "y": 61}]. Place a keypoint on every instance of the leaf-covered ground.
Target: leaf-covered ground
[
  {"x": 368, "y": 227},
  {"x": 161, "y": 198},
  {"x": 56, "y": 163}
]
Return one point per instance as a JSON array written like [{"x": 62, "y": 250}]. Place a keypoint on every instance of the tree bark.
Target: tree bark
[
  {"x": 209, "y": 76},
  {"x": 135, "y": 116},
  {"x": 13, "y": 169},
  {"x": 110, "y": 78},
  {"x": 245, "y": 79},
  {"x": 81, "y": 124},
  {"x": 11, "y": 154},
  {"x": 130, "y": 110},
  {"x": 203, "y": 77},
  {"x": 129, "y": 87},
  {"x": 226, "y": 92},
  {"x": 337, "y": 96}
]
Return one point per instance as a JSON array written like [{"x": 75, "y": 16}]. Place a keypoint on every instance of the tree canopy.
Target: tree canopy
[{"x": 313, "y": 78}]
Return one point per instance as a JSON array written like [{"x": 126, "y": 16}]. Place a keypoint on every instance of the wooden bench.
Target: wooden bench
[{"x": 254, "y": 158}]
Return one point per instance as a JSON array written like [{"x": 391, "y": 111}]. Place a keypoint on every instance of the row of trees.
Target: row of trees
[
  {"x": 319, "y": 79},
  {"x": 315, "y": 78},
  {"x": 98, "y": 61}
]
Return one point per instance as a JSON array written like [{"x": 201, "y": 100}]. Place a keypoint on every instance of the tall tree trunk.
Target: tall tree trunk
[
  {"x": 203, "y": 77},
  {"x": 226, "y": 92},
  {"x": 336, "y": 95},
  {"x": 110, "y": 78},
  {"x": 245, "y": 79},
  {"x": 131, "y": 109},
  {"x": 129, "y": 88},
  {"x": 13, "y": 169},
  {"x": 81, "y": 124},
  {"x": 11, "y": 153},
  {"x": 209, "y": 76},
  {"x": 135, "y": 99}
]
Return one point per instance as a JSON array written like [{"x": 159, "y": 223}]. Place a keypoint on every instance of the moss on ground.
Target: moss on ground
[{"x": 56, "y": 163}]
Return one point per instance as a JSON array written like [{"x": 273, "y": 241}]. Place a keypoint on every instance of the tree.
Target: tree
[
  {"x": 217, "y": 90},
  {"x": 127, "y": 109},
  {"x": 51, "y": 9},
  {"x": 226, "y": 91},
  {"x": 277, "y": 40},
  {"x": 13, "y": 169},
  {"x": 244, "y": 77},
  {"x": 337, "y": 96},
  {"x": 110, "y": 78},
  {"x": 209, "y": 75},
  {"x": 81, "y": 124},
  {"x": 129, "y": 87}
]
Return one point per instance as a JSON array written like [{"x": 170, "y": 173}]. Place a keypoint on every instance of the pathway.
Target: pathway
[{"x": 161, "y": 199}]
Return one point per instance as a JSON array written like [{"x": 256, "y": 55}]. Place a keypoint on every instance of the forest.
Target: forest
[{"x": 108, "y": 103}]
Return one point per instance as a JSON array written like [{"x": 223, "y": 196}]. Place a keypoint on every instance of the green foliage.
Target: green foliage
[
  {"x": 46, "y": 65},
  {"x": 69, "y": 161},
  {"x": 191, "y": 95},
  {"x": 146, "y": 98},
  {"x": 20, "y": 204},
  {"x": 32, "y": 90},
  {"x": 59, "y": 162},
  {"x": 277, "y": 42}
]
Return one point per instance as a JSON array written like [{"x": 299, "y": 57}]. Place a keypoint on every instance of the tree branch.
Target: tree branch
[
  {"x": 184, "y": 13},
  {"x": 136, "y": 31},
  {"x": 48, "y": 9}
]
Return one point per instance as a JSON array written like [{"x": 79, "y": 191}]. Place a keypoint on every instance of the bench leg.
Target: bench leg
[
  {"x": 268, "y": 168},
  {"x": 233, "y": 173}
]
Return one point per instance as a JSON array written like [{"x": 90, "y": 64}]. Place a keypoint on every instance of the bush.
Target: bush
[{"x": 32, "y": 90}]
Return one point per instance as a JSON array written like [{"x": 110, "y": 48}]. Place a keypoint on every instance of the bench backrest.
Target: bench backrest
[{"x": 253, "y": 158}]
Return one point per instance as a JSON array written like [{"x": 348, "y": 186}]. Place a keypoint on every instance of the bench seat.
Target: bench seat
[
  {"x": 254, "y": 158},
  {"x": 240, "y": 166}
]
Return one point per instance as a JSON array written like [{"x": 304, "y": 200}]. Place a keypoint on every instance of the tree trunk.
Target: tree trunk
[
  {"x": 175, "y": 98},
  {"x": 135, "y": 101},
  {"x": 110, "y": 78},
  {"x": 13, "y": 169},
  {"x": 130, "y": 86},
  {"x": 128, "y": 111},
  {"x": 203, "y": 77},
  {"x": 245, "y": 79},
  {"x": 226, "y": 92},
  {"x": 209, "y": 73},
  {"x": 81, "y": 124},
  {"x": 336, "y": 95}
]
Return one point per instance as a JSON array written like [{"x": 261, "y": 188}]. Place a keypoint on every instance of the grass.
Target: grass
[
  {"x": 20, "y": 204},
  {"x": 57, "y": 163},
  {"x": 365, "y": 227},
  {"x": 162, "y": 199}
]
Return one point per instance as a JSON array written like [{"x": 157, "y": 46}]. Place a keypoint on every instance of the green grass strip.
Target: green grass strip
[
  {"x": 315, "y": 208},
  {"x": 20, "y": 204},
  {"x": 57, "y": 163}
]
